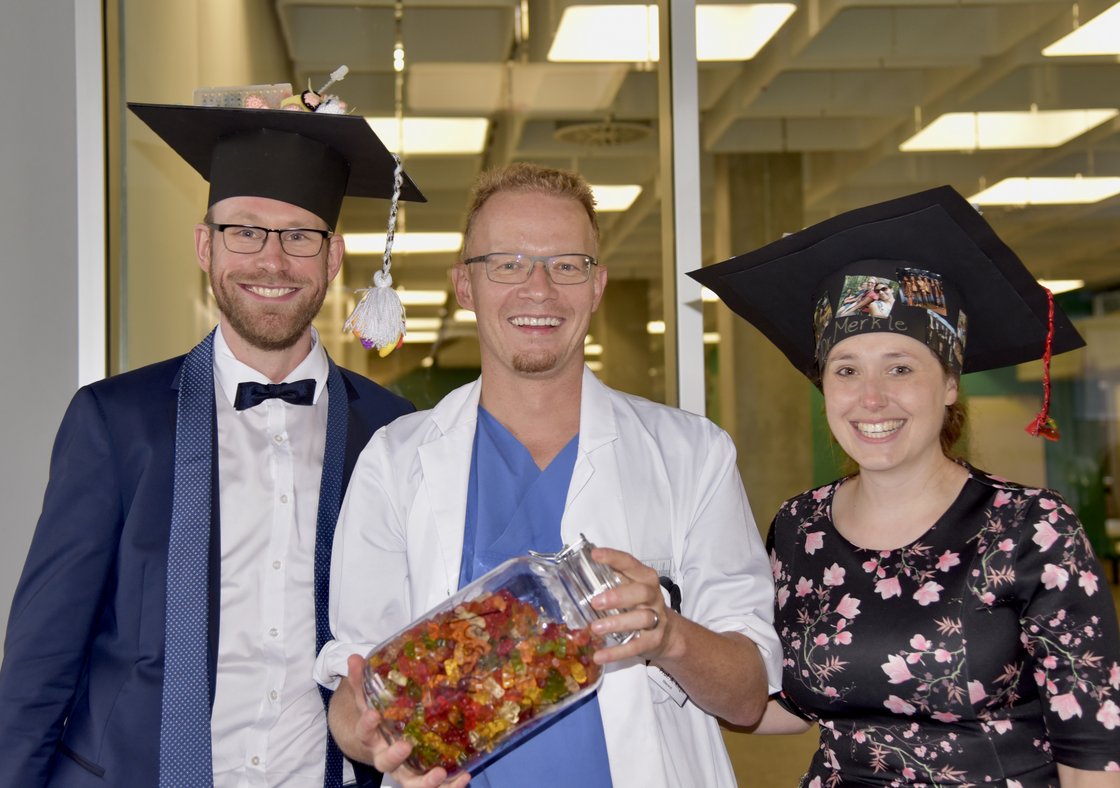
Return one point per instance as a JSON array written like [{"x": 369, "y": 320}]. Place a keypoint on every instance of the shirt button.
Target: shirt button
[
  {"x": 278, "y": 438},
  {"x": 256, "y": 761},
  {"x": 283, "y": 499},
  {"x": 274, "y": 632},
  {"x": 274, "y": 695},
  {"x": 275, "y": 564}
]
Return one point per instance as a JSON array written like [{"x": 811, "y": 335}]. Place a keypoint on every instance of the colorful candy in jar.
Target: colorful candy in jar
[{"x": 461, "y": 683}]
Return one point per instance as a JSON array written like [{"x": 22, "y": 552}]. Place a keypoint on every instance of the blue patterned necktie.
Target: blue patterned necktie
[
  {"x": 184, "y": 741},
  {"x": 330, "y": 501}
]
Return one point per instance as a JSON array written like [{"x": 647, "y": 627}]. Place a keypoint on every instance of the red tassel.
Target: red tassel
[{"x": 1043, "y": 425}]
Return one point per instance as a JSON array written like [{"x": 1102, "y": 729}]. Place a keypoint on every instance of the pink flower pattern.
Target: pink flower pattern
[{"x": 998, "y": 605}]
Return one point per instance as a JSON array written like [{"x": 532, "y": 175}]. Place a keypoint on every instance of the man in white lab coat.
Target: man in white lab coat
[{"x": 531, "y": 455}]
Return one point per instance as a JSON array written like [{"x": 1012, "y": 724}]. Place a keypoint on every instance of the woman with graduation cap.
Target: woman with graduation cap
[{"x": 943, "y": 626}]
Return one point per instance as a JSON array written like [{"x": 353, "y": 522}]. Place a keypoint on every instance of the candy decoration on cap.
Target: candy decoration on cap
[
  {"x": 319, "y": 100},
  {"x": 1043, "y": 424},
  {"x": 378, "y": 320}
]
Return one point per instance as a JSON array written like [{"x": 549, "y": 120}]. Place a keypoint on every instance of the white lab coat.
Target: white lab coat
[{"x": 654, "y": 481}]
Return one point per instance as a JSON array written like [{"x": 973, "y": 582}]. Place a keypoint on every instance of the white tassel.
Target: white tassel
[{"x": 378, "y": 320}]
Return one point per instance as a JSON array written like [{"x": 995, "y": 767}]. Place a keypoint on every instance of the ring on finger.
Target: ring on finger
[{"x": 656, "y": 619}]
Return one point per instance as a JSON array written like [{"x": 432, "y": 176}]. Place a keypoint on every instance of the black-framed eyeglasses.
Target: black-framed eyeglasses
[
  {"x": 295, "y": 241},
  {"x": 513, "y": 268},
  {"x": 883, "y": 289}
]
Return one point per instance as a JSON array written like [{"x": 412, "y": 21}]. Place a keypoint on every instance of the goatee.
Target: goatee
[{"x": 534, "y": 363}]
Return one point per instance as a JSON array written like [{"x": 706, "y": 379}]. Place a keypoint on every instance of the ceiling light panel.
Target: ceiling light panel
[
  {"x": 1099, "y": 36},
  {"x": 1057, "y": 286},
  {"x": 416, "y": 243},
  {"x": 422, "y": 297},
  {"x": 1048, "y": 191},
  {"x": 629, "y": 33},
  {"x": 615, "y": 198},
  {"x": 432, "y": 136},
  {"x": 420, "y": 337},
  {"x": 423, "y": 323},
  {"x": 971, "y": 131}
]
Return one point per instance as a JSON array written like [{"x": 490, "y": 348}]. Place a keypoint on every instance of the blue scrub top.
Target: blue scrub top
[{"x": 514, "y": 507}]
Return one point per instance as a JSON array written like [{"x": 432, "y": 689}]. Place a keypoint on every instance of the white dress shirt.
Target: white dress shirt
[{"x": 268, "y": 724}]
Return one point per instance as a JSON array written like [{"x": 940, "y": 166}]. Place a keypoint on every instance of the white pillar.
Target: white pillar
[{"x": 679, "y": 113}]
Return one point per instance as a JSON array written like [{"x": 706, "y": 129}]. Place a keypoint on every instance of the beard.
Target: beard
[
  {"x": 265, "y": 327},
  {"x": 535, "y": 363}
]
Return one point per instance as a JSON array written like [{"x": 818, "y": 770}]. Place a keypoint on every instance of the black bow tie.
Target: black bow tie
[{"x": 299, "y": 392}]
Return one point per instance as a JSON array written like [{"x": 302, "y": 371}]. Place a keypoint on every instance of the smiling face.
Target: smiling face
[
  {"x": 267, "y": 299},
  {"x": 535, "y": 328},
  {"x": 885, "y": 397}
]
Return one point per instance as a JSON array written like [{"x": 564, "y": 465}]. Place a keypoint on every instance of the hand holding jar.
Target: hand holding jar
[{"x": 638, "y": 606}]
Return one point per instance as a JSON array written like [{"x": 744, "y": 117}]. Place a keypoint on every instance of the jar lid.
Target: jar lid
[{"x": 589, "y": 578}]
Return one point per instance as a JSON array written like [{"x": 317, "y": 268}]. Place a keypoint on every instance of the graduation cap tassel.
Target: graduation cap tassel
[
  {"x": 1043, "y": 424},
  {"x": 378, "y": 320}
]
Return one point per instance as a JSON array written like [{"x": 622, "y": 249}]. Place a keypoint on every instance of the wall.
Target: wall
[
  {"x": 39, "y": 299},
  {"x": 168, "y": 50},
  {"x": 157, "y": 293}
]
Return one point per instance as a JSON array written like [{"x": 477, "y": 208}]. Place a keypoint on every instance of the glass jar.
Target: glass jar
[{"x": 484, "y": 669}]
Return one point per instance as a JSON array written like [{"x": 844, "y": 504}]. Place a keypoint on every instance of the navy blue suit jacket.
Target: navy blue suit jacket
[{"x": 82, "y": 677}]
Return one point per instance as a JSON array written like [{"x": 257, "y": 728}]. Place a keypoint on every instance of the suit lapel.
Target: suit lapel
[{"x": 214, "y": 552}]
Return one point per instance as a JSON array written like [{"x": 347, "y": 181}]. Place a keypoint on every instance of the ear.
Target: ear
[
  {"x": 598, "y": 284},
  {"x": 336, "y": 248},
  {"x": 461, "y": 280},
  {"x": 952, "y": 389},
  {"x": 203, "y": 238}
]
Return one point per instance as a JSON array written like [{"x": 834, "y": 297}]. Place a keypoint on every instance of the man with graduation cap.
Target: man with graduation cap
[
  {"x": 941, "y": 625},
  {"x": 174, "y": 597}
]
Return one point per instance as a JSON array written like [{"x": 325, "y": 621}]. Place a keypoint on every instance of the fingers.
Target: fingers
[
  {"x": 389, "y": 758},
  {"x": 355, "y": 668},
  {"x": 639, "y": 587},
  {"x": 641, "y": 605}
]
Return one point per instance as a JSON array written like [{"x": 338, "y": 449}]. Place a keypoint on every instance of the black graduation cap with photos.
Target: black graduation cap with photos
[
  {"x": 951, "y": 283},
  {"x": 309, "y": 159}
]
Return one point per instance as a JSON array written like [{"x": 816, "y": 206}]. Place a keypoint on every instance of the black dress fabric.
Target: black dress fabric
[{"x": 979, "y": 654}]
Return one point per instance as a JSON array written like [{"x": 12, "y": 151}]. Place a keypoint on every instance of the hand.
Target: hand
[
  {"x": 367, "y": 743},
  {"x": 644, "y": 610}
]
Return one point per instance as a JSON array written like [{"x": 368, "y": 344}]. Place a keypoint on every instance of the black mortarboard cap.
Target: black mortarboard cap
[
  {"x": 933, "y": 256},
  {"x": 309, "y": 159}
]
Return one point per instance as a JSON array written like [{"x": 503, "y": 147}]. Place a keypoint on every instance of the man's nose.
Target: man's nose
[
  {"x": 539, "y": 278},
  {"x": 273, "y": 255}
]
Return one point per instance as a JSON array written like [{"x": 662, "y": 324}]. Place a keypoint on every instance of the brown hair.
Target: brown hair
[
  {"x": 525, "y": 177},
  {"x": 953, "y": 427}
]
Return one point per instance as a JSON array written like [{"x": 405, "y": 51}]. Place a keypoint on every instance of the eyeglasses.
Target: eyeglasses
[
  {"x": 513, "y": 268},
  {"x": 883, "y": 289},
  {"x": 295, "y": 241}
]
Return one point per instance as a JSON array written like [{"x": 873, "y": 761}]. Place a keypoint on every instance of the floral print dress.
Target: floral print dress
[{"x": 979, "y": 654}]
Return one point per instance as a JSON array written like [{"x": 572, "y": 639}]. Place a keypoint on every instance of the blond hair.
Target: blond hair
[{"x": 525, "y": 177}]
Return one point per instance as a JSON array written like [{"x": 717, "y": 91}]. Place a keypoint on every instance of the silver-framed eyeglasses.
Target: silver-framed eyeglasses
[
  {"x": 513, "y": 268},
  {"x": 295, "y": 241}
]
